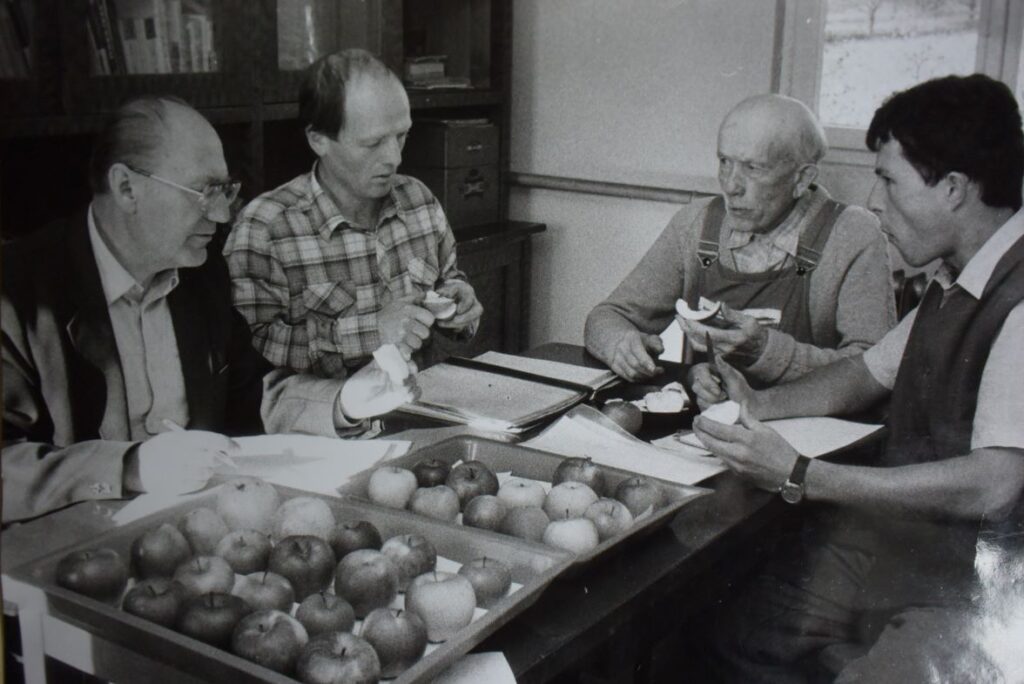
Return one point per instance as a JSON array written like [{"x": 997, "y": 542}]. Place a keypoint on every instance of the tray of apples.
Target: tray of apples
[
  {"x": 572, "y": 504},
  {"x": 261, "y": 583}
]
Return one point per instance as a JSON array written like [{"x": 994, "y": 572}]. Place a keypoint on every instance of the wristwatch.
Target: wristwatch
[{"x": 792, "y": 490}]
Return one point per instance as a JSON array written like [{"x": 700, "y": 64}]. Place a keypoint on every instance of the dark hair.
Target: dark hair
[
  {"x": 133, "y": 136},
  {"x": 970, "y": 124},
  {"x": 322, "y": 97}
]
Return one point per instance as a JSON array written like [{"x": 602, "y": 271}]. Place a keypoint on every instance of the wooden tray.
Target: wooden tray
[
  {"x": 532, "y": 566},
  {"x": 535, "y": 465}
]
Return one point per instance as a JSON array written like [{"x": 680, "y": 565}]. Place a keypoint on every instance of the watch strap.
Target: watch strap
[{"x": 799, "y": 470}]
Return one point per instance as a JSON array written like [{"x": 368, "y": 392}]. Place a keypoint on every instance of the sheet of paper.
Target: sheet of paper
[
  {"x": 579, "y": 433},
  {"x": 594, "y": 378},
  {"x": 811, "y": 436},
  {"x": 491, "y": 667}
]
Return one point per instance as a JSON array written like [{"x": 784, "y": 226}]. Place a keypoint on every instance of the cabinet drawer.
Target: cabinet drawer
[
  {"x": 435, "y": 144},
  {"x": 469, "y": 195}
]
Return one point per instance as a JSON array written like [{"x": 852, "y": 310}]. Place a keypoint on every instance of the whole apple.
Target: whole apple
[
  {"x": 303, "y": 515},
  {"x": 472, "y": 479},
  {"x": 577, "y": 535},
  {"x": 248, "y": 503},
  {"x": 485, "y": 511},
  {"x": 159, "y": 551},
  {"x": 205, "y": 574},
  {"x": 569, "y": 500},
  {"x": 640, "y": 495},
  {"x": 352, "y": 535},
  {"x": 412, "y": 554},
  {"x": 526, "y": 523},
  {"x": 443, "y": 600},
  {"x": 211, "y": 618},
  {"x": 203, "y": 528},
  {"x": 440, "y": 502},
  {"x": 431, "y": 472},
  {"x": 518, "y": 493},
  {"x": 246, "y": 551},
  {"x": 99, "y": 573},
  {"x": 325, "y": 612},
  {"x": 491, "y": 579},
  {"x": 391, "y": 486},
  {"x": 158, "y": 599},
  {"x": 610, "y": 517},
  {"x": 367, "y": 579},
  {"x": 625, "y": 414},
  {"x": 265, "y": 590},
  {"x": 338, "y": 658},
  {"x": 306, "y": 561},
  {"x": 271, "y": 638},
  {"x": 582, "y": 470},
  {"x": 399, "y": 638}
]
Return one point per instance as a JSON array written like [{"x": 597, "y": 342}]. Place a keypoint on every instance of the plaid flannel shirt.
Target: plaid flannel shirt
[{"x": 310, "y": 283}]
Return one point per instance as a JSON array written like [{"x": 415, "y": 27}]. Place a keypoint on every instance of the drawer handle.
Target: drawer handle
[
  {"x": 474, "y": 185},
  {"x": 475, "y": 147}
]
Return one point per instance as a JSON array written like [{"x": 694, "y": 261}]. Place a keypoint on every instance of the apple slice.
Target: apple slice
[
  {"x": 707, "y": 309},
  {"x": 442, "y": 307},
  {"x": 727, "y": 412},
  {"x": 392, "y": 362}
]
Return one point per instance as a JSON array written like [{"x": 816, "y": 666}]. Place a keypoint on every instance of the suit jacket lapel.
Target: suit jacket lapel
[{"x": 192, "y": 328}]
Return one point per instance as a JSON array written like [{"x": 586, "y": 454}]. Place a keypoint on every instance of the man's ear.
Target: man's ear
[
  {"x": 956, "y": 188},
  {"x": 122, "y": 187},
  {"x": 805, "y": 177},
  {"x": 318, "y": 142}
]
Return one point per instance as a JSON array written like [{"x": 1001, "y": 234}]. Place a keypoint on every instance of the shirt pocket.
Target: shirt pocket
[
  {"x": 422, "y": 272},
  {"x": 327, "y": 299}
]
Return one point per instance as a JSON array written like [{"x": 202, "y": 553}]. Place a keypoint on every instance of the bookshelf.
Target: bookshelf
[{"x": 242, "y": 71}]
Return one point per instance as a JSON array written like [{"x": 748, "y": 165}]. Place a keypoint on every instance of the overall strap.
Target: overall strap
[
  {"x": 812, "y": 241},
  {"x": 707, "y": 247}
]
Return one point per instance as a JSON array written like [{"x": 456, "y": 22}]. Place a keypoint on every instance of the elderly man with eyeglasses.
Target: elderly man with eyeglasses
[{"x": 125, "y": 366}]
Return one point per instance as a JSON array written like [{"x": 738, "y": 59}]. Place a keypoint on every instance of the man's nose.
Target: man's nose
[
  {"x": 732, "y": 182},
  {"x": 876, "y": 199},
  {"x": 393, "y": 151}
]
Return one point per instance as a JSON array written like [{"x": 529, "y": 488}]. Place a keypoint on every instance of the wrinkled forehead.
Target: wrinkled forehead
[
  {"x": 755, "y": 136},
  {"x": 191, "y": 148}
]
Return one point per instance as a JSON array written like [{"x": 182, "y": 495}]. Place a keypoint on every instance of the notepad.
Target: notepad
[
  {"x": 594, "y": 378},
  {"x": 811, "y": 436}
]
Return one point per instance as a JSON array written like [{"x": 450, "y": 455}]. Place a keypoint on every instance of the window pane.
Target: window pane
[{"x": 876, "y": 47}]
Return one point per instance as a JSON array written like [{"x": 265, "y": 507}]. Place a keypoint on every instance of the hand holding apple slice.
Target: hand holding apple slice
[
  {"x": 706, "y": 309},
  {"x": 379, "y": 387},
  {"x": 442, "y": 307},
  {"x": 727, "y": 412}
]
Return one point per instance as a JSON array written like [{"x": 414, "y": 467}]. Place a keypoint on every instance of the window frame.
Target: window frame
[{"x": 998, "y": 55}]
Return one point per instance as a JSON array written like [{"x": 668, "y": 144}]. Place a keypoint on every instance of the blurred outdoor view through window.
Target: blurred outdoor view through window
[{"x": 876, "y": 47}]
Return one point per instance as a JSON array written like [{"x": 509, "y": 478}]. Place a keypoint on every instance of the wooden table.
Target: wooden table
[{"x": 617, "y": 607}]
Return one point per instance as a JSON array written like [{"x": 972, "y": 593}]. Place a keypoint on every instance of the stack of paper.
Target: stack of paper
[
  {"x": 811, "y": 436},
  {"x": 594, "y": 378}
]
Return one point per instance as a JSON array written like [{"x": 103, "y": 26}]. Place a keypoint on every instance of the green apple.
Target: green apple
[
  {"x": 203, "y": 528},
  {"x": 338, "y": 658},
  {"x": 610, "y": 517},
  {"x": 568, "y": 500},
  {"x": 444, "y": 601},
  {"x": 391, "y": 486},
  {"x": 576, "y": 535},
  {"x": 246, "y": 551},
  {"x": 412, "y": 554},
  {"x": 248, "y": 503},
  {"x": 398, "y": 636},
  {"x": 640, "y": 495},
  {"x": 526, "y": 523},
  {"x": 303, "y": 515},
  {"x": 159, "y": 551},
  {"x": 517, "y": 493},
  {"x": 367, "y": 579},
  {"x": 271, "y": 638},
  {"x": 440, "y": 502}
]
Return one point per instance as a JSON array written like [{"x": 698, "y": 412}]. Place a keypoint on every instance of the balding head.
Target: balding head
[{"x": 786, "y": 125}]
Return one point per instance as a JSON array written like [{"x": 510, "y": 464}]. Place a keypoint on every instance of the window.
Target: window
[{"x": 844, "y": 57}]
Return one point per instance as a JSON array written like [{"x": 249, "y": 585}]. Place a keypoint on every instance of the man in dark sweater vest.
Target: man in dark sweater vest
[{"x": 888, "y": 579}]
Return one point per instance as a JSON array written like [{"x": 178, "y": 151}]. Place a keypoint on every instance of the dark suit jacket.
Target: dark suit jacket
[{"x": 61, "y": 369}]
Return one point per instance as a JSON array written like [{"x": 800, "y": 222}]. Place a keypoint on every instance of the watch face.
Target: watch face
[{"x": 791, "y": 492}]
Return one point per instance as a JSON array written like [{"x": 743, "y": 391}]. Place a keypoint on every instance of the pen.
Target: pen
[{"x": 221, "y": 457}]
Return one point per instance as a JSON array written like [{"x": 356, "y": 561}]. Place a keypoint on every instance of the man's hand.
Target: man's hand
[
  {"x": 750, "y": 448},
  {"x": 632, "y": 357},
  {"x": 177, "y": 462},
  {"x": 706, "y": 385},
  {"x": 468, "y": 309},
  {"x": 371, "y": 391},
  {"x": 404, "y": 323},
  {"x": 742, "y": 337}
]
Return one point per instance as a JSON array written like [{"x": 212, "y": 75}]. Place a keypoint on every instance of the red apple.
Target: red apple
[
  {"x": 246, "y": 551},
  {"x": 203, "y": 528},
  {"x": 303, "y": 515},
  {"x": 569, "y": 500},
  {"x": 610, "y": 517},
  {"x": 576, "y": 535},
  {"x": 352, "y": 535},
  {"x": 391, "y": 486},
  {"x": 517, "y": 493},
  {"x": 324, "y": 612},
  {"x": 338, "y": 658},
  {"x": 412, "y": 555},
  {"x": 443, "y": 600},
  {"x": 639, "y": 494},
  {"x": 265, "y": 590},
  {"x": 581, "y": 470},
  {"x": 158, "y": 600},
  {"x": 205, "y": 574},
  {"x": 99, "y": 573},
  {"x": 491, "y": 579},
  {"x": 367, "y": 579},
  {"x": 624, "y": 414},
  {"x": 431, "y": 472},
  {"x": 248, "y": 503},
  {"x": 306, "y": 561},
  {"x": 211, "y": 618},
  {"x": 271, "y": 638},
  {"x": 526, "y": 523},
  {"x": 399, "y": 638},
  {"x": 159, "y": 551},
  {"x": 485, "y": 511},
  {"x": 472, "y": 479},
  {"x": 440, "y": 502}
]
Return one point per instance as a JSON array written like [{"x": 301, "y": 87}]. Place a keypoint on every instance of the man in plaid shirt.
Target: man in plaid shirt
[{"x": 336, "y": 262}]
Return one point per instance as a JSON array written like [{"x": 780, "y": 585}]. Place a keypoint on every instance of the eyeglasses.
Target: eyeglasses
[{"x": 208, "y": 197}]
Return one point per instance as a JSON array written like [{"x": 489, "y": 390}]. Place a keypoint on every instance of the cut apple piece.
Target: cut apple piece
[
  {"x": 727, "y": 412},
  {"x": 765, "y": 316},
  {"x": 708, "y": 309},
  {"x": 392, "y": 362},
  {"x": 665, "y": 402},
  {"x": 442, "y": 307}
]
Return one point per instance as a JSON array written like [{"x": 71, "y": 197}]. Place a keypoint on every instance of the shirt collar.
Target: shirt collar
[
  {"x": 785, "y": 236},
  {"x": 976, "y": 274},
  {"x": 333, "y": 218},
  {"x": 115, "y": 278}
]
